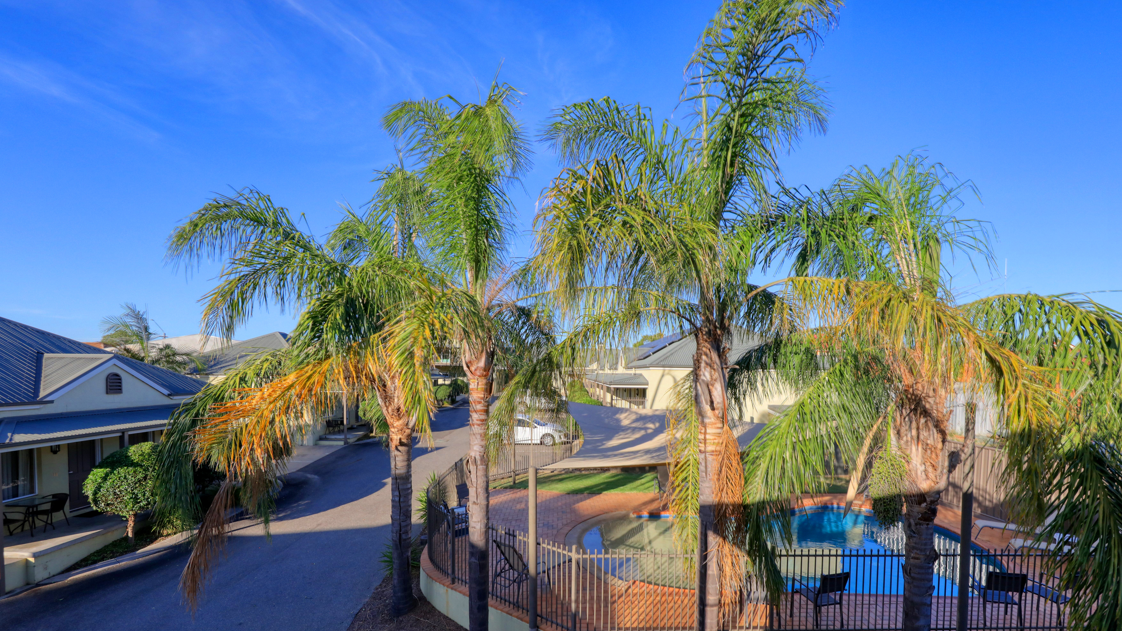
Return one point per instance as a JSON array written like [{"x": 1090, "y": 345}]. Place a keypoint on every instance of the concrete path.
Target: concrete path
[
  {"x": 305, "y": 455},
  {"x": 322, "y": 563}
]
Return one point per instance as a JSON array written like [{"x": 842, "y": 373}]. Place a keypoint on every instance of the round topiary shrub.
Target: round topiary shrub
[{"x": 124, "y": 483}]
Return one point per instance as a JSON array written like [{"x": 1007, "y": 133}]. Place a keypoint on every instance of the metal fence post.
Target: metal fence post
[
  {"x": 967, "y": 525},
  {"x": 450, "y": 519},
  {"x": 532, "y": 548},
  {"x": 573, "y": 587},
  {"x": 699, "y": 581}
]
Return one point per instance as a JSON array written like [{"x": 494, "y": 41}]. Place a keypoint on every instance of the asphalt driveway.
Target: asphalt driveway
[{"x": 319, "y": 567}]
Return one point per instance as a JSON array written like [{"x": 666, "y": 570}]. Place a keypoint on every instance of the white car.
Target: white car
[{"x": 538, "y": 432}]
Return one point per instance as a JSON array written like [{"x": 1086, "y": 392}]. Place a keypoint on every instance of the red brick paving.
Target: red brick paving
[{"x": 559, "y": 512}]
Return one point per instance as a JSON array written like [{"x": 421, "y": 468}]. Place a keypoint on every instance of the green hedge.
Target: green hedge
[{"x": 578, "y": 394}]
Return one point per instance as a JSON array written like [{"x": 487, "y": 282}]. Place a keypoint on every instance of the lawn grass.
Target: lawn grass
[
  {"x": 578, "y": 394},
  {"x": 836, "y": 484},
  {"x": 589, "y": 483},
  {"x": 120, "y": 547}
]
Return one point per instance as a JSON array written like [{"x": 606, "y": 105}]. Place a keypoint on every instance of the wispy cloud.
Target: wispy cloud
[
  {"x": 40, "y": 313},
  {"x": 54, "y": 82}
]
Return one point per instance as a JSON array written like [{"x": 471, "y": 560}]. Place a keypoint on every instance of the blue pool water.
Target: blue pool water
[{"x": 826, "y": 541}]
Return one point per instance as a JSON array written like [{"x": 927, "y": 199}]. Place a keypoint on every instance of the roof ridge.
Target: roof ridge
[
  {"x": 77, "y": 355},
  {"x": 94, "y": 350}
]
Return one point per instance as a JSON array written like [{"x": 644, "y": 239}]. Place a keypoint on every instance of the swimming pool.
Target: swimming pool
[{"x": 826, "y": 541}]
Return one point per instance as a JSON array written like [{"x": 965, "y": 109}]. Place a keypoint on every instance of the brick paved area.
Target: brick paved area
[{"x": 559, "y": 512}]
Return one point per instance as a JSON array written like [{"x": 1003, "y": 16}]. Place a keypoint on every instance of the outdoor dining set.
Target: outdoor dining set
[{"x": 34, "y": 512}]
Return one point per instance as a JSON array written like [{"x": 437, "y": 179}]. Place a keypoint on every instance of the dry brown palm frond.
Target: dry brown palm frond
[
  {"x": 209, "y": 543},
  {"x": 251, "y": 437}
]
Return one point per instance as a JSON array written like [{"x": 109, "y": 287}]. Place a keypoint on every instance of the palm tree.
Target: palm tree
[
  {"x": 130, "y": 334},
  {"x": 470, "y": 155},
  {"x": 348, "y": 289},
  {"x": 646, "y": 229},
  {"x": 879, "y": 347}
]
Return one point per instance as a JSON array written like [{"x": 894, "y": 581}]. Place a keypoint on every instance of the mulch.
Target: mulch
[{"x": 375, "y": 614}]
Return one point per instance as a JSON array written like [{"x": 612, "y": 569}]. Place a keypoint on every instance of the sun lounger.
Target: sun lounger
[
  {"x": 1017, "y": 544},
  {"x": 1035, "y": 544},
  {"x": 982, "y": 524}
]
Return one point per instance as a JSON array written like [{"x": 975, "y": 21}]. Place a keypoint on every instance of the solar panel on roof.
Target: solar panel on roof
[{"x": 659, "y": 344}]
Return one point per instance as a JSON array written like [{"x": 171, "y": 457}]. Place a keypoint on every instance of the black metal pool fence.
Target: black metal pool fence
[{"x": 606, "y": 590}]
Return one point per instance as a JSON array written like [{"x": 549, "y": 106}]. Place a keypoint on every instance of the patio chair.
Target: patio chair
[
  {"x": 831, "y": 588},
  {"x": 1005, "y": 588},
  {"x": 461, "y": 494},
  {"x": 459, "y": 519},
  {"x": 514, "y": 572},
  {"x": 47, "y": 515},
  {"x": 11, "y": 520}
]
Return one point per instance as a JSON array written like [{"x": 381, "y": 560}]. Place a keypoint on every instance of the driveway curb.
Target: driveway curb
[{"x": 236, "y": 514}]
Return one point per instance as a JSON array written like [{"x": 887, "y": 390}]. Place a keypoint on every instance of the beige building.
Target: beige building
[
  {"x": 65, "y": 405},
  {"x": 645, "y": 377}
]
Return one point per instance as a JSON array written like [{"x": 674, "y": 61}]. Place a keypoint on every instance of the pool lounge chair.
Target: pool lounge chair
[
  {"x": 1019, "y": 543},
  {"x": 1035, "y": 544},
  {"x": 982, "y": 524}
]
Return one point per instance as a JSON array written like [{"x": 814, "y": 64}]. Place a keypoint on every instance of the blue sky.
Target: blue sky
[{"x": 117, "y": 120}]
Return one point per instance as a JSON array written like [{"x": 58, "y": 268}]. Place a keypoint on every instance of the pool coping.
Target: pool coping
[
  {"x": 573, "y": 539},
  {"x": 806, "y": 503}
]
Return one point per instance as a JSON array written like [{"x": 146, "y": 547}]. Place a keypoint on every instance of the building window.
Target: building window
[
  {"x": 18, "y": 474},
  {"x": 113, "y": 384},
  {"x": 142, "y": 437}
]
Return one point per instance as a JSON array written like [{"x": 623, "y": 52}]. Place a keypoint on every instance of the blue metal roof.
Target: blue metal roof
[{"x": 22, "y": 350}]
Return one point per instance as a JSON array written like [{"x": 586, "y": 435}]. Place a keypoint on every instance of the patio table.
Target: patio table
[{"x": 29, "y": 504}]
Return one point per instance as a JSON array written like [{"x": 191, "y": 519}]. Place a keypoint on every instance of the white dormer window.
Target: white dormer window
[{"x": 113, "y": 384}]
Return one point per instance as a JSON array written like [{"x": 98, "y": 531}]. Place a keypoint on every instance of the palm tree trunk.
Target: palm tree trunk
[
  {"x": 711, "y": 404},
  {"x": 921, "y": 435},
  {"x": 919, "y": 560},
  {"x": 130, "y": 529},
  {"x": 401, "y": 519},
  {"x": 400, "y": 442},
  {"x": 478, "y": 367}
]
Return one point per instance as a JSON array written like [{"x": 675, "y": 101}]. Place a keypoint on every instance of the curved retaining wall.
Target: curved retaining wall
[{"x": 453, "y": 603}]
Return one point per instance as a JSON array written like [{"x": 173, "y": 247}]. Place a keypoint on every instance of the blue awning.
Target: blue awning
[{"x": 39, "y": 430}]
